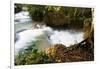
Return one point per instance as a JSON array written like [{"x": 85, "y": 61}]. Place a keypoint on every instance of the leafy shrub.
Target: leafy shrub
[
  {"x": 36, "y": 12},
  {"x": 32, "y": 56}
]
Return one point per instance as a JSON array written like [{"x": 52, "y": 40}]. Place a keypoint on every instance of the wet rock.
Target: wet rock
[{"x": 17, "y": 8}]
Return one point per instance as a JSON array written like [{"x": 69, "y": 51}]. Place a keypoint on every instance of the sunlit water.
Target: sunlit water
[{"x": 42, "y": 37}]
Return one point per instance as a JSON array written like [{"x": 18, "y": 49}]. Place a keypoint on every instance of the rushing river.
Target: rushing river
[{"x": 22, "y": 21}]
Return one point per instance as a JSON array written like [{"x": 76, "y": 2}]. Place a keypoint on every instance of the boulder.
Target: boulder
[{"x": 56, "y": 18}]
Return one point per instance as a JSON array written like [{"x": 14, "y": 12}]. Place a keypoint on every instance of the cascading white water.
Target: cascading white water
[
  {"x": 44, "y": 36},
  {"x": 22, "y": 17},
  {"x": 38, "y": 37},
  {"x": 65, "y": 37}
]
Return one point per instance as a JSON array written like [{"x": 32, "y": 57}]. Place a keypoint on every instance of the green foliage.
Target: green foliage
[
  {"x": 72, "y": 17},
  {"x": 52, "y": 8},
  {"x": 77, "y": 12},
  {"x": 32, "y": 56},
  {"x": 77, "y": 16},
  {"x": 36, "y": 12}
]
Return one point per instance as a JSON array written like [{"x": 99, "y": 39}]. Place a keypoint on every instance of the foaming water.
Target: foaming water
[
  {"x": 45, "y": 37},
  {"x": 37, "y": 37},
  {"x": 66, "y": 37},
  {"x": 22, "y": 17},
  {"x": 42, "y": 37}
]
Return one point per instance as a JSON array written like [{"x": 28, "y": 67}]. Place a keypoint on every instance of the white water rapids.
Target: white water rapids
[{"x": 44, "y": 36}]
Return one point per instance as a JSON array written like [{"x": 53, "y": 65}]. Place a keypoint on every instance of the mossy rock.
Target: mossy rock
[{"x": 56, "y": 18}]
